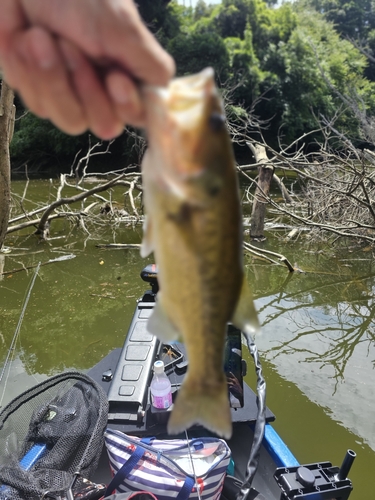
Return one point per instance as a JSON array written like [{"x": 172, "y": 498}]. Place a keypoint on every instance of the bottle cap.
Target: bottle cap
[{"x": 159, "y": 367}]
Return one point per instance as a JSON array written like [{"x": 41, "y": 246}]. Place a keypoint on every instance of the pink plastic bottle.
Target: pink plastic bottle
[{"x": 161, "y": 393}]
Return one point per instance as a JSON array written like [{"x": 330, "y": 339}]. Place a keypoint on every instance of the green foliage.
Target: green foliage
[
  {"x": 43, "y": 147},
  {"x": 298, "y": 55},
  {"x": 39, "y": 143},
  {"x": 246, "y": 74},
  {"x": 161, "y": 18},
  {"x": 312, "y": 67},
  {"x": 195, "y": 51},
  {"x": 201, "y": 10},
  {"x": 352, "y": 18},
  {"x": 298, "y": 61},
  {"x": 231, "y": 19}
]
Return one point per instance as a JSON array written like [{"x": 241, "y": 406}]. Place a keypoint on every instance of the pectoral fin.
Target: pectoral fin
[
  {"x": 160, "y": 325},
  {"x": 147, "y": 242},
  {"x": 245, "y": 316}
]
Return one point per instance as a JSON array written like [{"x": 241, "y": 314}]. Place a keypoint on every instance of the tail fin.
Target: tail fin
[{"x": 196, "y": 405}]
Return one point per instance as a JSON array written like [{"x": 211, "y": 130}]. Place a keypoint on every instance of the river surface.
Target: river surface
[{"x": 318, "y": 332}]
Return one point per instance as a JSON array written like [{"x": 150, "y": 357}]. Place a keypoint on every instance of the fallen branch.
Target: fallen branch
[
  {"x": 130, "y": 193},
  {"x": 340, "y": 231},
  {"x": 27, "y": 268},
  {"x": 42, "y": 223},
  {"x": 264, "y": 254},
  {"x": 27, "y": 215},
  {"x": 102, "y": 296},
  {"x": 77, "y": 186},
  {"x": 128, "y": 246},
  {"x": 36, "y": 222},
  {"x": 66, "y": 201},
  {"x": 283, "y": 189}
]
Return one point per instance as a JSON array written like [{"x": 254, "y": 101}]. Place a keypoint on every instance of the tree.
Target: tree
[
  {"x": 162, "y": 17},
  {"x": 352, "y": 18},
  {"x": 265, "y": 170},
  {"x": 307, "y": 69},
  {"x": 195, "y": 51},
  {"x": 6, "y": 132},
  {"x": 280, "y": 53},
  {"x": 39, "y": 143},
  {"x": 297, "y": 56}
]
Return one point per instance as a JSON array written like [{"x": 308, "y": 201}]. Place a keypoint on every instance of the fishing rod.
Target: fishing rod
[
  {"x": 17, "y": 331},
  {"x": 260, "y": 424}
]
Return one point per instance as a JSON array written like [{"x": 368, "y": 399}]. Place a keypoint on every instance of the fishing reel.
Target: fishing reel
[{"x": 316, "y": 481}]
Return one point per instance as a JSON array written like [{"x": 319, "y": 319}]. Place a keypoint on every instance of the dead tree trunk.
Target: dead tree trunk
[
  {"x": 6, "y": 132},
  {"x": 266, "y": 170}
]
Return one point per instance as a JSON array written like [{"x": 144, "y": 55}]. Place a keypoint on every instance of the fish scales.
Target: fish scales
[{"x": 194, "y": 228}]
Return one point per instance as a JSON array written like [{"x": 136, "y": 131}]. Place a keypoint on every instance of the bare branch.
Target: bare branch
[
  {"x": 265, "y": 253},
  {"x": 73, "y": 199}
]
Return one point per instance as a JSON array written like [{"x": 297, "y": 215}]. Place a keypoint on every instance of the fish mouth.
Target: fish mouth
[
  {"x": 186, "y": 98},
  {"x": 187, "y": 91}
]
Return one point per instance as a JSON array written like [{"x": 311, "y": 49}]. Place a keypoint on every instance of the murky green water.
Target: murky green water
[{"x": 318, "y": 329}]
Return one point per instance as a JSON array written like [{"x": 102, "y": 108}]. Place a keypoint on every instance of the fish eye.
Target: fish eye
[
  {"x": 216, "y": 122},
  {"x": 213, "y": 186},
  {"x": 214, "y": 191}
]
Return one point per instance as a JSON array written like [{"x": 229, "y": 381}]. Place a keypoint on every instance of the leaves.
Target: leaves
[{"x": 298, "y": 55}]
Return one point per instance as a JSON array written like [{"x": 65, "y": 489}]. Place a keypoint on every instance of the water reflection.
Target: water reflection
[
  {"x": 319, "y": 332},
  {"x": 345, "y": 327},
  {"x": 341, "y": 310}
]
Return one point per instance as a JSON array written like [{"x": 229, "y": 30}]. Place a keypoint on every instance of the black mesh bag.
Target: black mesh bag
[{"x": 51, "y": 438}]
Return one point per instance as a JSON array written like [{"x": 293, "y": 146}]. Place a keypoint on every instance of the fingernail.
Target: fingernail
[
  {"x": 125, "y": 98},
  {"x": 71, "y": 55},
  {"x": 111, "y": 132},
  {"x": 118, "y": 90},
  {"x": 43, "y": 49}
]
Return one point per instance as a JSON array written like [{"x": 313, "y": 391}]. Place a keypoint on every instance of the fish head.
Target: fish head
[{"x": 187, "y": 134}]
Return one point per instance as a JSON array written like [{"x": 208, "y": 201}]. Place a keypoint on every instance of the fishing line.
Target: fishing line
[
  {"x": 188, "y": 445},
  {"x": 8, "y": 359},
  {"x": 192, "y": 466}
]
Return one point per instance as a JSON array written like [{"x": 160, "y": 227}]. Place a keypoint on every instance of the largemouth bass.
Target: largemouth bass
[{"x": 194, "y": 227}]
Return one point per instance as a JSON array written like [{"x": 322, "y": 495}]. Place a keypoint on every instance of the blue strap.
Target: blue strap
[
  {"x": 197, "y": 444},
  {"x": 147, "y": 440},
  {"x": 125, "y": 470},
  {"x": 185, "y": 491}
]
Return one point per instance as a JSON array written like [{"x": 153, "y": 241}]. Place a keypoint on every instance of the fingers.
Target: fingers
[
  {"x": 53, "y": 96},
  {"x": 19, "y": 73},
  {"x": 109, "y": 30},
  {"x": 48, "y": 51},
  {"x": 57, "y": 82},
  {"x": 11, "y": 20},
  {"x": 141, "y": 55},
  {"x": 35, "y": 68},
  {"x": 99, "y": 111},
  {"x": 126, "y": 98}
]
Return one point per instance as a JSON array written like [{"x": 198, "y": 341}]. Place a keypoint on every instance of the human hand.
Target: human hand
[
  {"x": 234, "y": 385},
  {"x": 50, "y": 52}
]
